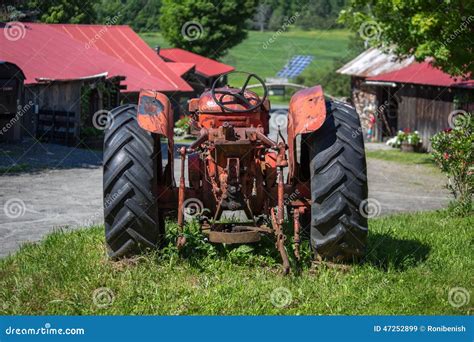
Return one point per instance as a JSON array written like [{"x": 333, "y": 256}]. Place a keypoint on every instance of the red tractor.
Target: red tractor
[{"x": 318, "y": 177}]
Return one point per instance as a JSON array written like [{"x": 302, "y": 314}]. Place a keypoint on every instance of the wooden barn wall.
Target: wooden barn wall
[
  {"x": 60, "y": 96},
  {"x": 425, "y": 109}
]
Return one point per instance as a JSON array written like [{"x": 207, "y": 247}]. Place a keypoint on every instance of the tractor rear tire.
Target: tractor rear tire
[
  {"x": 132, "y": 218},
  {"x": 338, "y": 186}
]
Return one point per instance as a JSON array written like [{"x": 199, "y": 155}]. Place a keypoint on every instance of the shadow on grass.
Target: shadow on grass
[{"x": 385, "y": 251}]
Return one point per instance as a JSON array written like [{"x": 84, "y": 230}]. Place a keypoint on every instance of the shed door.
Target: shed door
[{"x": 8, "y": 96}]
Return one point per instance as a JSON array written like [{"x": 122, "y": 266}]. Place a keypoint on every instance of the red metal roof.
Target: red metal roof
[
  {"x": 204, "y": 66},
  {"x": 47, "y": 51},
  {"x": 121, "y": 42},
  {"x": 423, "y": 73}
]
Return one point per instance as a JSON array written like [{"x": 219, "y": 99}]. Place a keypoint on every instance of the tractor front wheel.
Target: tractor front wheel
[
  {"x": 132, "y": 157},
  {"x": 338, "y": 185}
]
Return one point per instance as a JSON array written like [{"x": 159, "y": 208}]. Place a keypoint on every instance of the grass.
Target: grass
[
  {"x": 16, "y": 168},
  {"x": 251, "y": 56},
  {"x": 413, "y": 261},
  {"x": 402, "y": 157}
]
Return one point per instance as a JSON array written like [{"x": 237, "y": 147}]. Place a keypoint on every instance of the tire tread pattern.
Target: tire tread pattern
[
  {"x": 132, "y": 218},
  {"x": 338, "y": 185}
]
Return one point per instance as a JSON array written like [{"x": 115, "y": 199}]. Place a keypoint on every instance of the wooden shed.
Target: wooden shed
[
  {"x": 65, "y": 108},
  {"x": 12, "y": 109},
  {"x": 425, "y": 98},
  {"x": 404, "y": 94}
]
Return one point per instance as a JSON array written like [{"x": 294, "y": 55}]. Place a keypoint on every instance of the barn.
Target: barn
[
  {"x": 72, "y": 71},
  {"x": 11, "y": 98},
  {"x": 404, "y": 94},
  {"x": 206, "y": 70}
]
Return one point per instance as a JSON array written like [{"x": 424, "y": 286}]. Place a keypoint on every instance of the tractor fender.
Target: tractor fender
[
  {"x": 307, "y": 113},
  {"x": 155, "y": 115}
]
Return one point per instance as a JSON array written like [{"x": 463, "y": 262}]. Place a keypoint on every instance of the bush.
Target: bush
[
  {"x": 453, "y": 152},
  {"x": 412, "y": 138}
]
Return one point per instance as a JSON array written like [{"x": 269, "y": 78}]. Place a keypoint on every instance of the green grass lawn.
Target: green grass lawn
[
  {"x": 251, "y": 56},
  {"x": 413, "y": 261},
  {"x": 402, "y": 157}
]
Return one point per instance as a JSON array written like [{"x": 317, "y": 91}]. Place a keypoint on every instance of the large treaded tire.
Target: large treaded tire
[
  {"x": 132, "y": 218},
  {"x": 338, "y": 186}
]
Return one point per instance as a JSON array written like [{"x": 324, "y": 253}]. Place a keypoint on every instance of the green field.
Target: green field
[
  {"x": 414, "y": 262},
  {"x": 251, "y": 56}
]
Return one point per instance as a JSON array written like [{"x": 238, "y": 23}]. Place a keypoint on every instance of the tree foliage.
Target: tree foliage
[
  {"x": 334, "y": 83},
  {"x": 64, "y": 11},
  {"x": 207, "y": 27},
  {"x": 141, "y": 15},
  {"x": 440, "y": 30}
]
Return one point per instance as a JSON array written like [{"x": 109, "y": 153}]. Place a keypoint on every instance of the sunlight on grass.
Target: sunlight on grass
[
  {"x": 402, "y": 157},
  {"x": 413, "y": 261}
]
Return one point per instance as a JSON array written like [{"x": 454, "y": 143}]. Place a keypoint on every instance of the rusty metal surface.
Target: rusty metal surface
[
  {"x": 233, "y": 165},
  {"x": 234, "y": 237},
  {"x": 154, "y": 113},
  {"x": 207, "y": 104},
  {"x": 306, "y": 114},
  {"x": 373, "y": 62}
]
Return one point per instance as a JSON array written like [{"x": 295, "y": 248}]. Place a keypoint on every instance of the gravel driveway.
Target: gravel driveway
[{"x": 34, "y": 203}]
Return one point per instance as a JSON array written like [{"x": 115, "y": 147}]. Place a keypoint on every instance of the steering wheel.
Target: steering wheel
[{"x": 240, "y": 95}]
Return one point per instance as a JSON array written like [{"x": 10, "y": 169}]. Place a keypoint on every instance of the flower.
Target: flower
[{"x": 446, "y": 155}]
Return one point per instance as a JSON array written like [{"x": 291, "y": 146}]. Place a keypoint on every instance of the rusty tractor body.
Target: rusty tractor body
[{"x": 232, "y": 166}]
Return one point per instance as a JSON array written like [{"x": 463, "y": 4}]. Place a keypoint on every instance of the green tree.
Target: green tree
[
  {"x": 440, "y": 30},
  {"x": 141, "y": 15},
  {"x": 317, "y": 15},
  {"x": 65, "y": 11},
  {"x": 207, "y": 27}
]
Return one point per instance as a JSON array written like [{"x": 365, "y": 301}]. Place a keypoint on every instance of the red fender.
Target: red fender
[
  {"x": 307, "y": 114},
  {"x": 155, "y": 114}
]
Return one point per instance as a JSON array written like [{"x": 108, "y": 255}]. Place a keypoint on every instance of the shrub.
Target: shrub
[
  {"x": 412, "y": 138},
  {"x": 453, "y": 152}
]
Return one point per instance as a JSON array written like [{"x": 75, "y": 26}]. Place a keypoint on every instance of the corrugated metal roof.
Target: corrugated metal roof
[
  {"x": 373, "y": 62},
  {"x": 121, "y": 42},
  {"x": 423, "y": 73},
  {"x": 204, "y": 66},
  {"x": 46, "y": 51}
]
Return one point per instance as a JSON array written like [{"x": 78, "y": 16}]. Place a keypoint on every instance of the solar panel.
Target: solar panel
[{"x": 295, "y": 66}]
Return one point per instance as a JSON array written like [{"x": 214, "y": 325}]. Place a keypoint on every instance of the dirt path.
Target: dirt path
[{"x": 34, "y": 204}]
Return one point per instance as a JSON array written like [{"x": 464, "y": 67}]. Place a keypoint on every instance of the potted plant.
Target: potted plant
[{"x": 409, "y": 141}]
